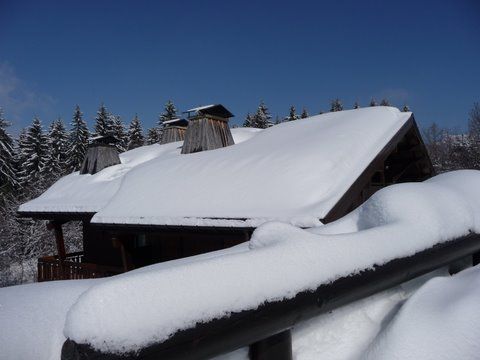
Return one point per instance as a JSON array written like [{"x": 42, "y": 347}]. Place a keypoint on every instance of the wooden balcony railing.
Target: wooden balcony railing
[{"x": 52, "y": 268}]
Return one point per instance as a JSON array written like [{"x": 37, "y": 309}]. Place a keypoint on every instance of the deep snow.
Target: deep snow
[
  {"x": 439, "y": 321},
  {"x": 282, "y": 261}
]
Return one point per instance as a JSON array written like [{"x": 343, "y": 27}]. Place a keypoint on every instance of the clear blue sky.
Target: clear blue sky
[{"x": 135, "y": 55}]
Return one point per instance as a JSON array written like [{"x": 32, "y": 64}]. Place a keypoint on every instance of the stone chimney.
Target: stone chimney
[
  {"x": 174, "y": 130},
  {"x": 207, "y": 129},
  {"x": 101, "y": 153}
]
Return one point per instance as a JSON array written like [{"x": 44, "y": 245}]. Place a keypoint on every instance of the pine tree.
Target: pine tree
[
  {"x": 474, "y": 122},
  {"x": 103, "y": 122},
  {"x": 8, "y": 176},
  {"x": 78, "y": 141},
  {"x": 248, "y": 121},
  {"x": 385, "y": 102},
  {"x": 336, "y": 105},
  {"x": 262, "y": 117},
  {"x": 56, "y": 158},
  {"x": 405, "y": 108},
  {"x": 292, "y": 115},
  {"x": 118, "y": 130},
  {"x": 356, "y": 105},
  {"x": 304, "y": 114},
  {"x": 153, "y": 136},
  {"x": 169, "y": 113},
  {"x": 135, "y": 134},
  {"x": 373, "y": 102},
  {"x": 33, "y": 150}
]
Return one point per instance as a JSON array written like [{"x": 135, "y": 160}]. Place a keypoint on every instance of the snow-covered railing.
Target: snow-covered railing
[{"x": 266, "y": 329}]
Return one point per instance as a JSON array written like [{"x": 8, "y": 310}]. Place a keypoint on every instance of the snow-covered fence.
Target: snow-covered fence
[{"x": 266, "y": 328}]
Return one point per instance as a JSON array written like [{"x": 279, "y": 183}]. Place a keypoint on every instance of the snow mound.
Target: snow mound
[
  {"x": 308, "y": 165},
  {"x": 281, "y": 261},
  {"x": 89, "y": 193},
  {"x": 440, "y": 321}
]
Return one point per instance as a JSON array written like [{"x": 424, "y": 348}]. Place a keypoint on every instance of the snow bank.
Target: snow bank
[
  {"x": 89, "y": 193},
  {"x": 282, "y": 261},
  {"x": 440, "y": 321},
  {"x": 345, "y": 333},
  {"x": 33, "y": 316},
  {"x": 308, "y": 165}
]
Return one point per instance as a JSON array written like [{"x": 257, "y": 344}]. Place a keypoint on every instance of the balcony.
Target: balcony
[{"x": 52, "y": 268}]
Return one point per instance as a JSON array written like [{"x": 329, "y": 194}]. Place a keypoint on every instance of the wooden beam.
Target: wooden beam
[{"x": 59, "y": 240}]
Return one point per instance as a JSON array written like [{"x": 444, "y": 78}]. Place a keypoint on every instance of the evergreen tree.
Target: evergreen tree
[
  {"x": 135, "y": 134},
  {"x": 248, "y": 121},
  {"x": 56, "y": 158},
  {"x": 78, "y": 141},
  {"x": 304, "y": 114},
  {"x": 474, "y": 122},
  {"x": 405, "y": 108},
  {"x": 385, "y": 102},
  {"x": 33, "y": 150},
  {"x": 8, "y": 176},
  {"x": 373, "y": 102},
  {"x": 153, "y": 136},
  {"x": 103, "y": 122},
  {"x": 277, "y": 120},
  {"x": 292, "y": 115},
  {"x": 169, "y": 113},
  {"x": 336, "y": 105},
  {"x": 118, "y": 130},
  {"x": 356, "y": 105},
  {"x": 262, "y": 117}
]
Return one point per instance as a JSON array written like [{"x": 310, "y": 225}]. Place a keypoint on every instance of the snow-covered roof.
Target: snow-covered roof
[
  {"x": 294, "y": 172},
  {"x": 173, "y": 121},
  {"x": 200, "y": 108},
  {"x": 87, "y": 193}
]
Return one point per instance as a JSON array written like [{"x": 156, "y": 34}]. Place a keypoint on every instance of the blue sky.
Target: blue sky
[{"x": 135, "y": 55}]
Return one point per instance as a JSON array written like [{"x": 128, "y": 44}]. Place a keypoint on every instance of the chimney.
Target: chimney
[
  {"x": 101, "y": 153},
  {"x": 174, "y": 130},
  {"x": 207, "y": 129}
]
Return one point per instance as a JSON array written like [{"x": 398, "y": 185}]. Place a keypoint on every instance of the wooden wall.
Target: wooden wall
[
  {"x": 206, "y": 133},
  {"x": 172, "y": 134}
]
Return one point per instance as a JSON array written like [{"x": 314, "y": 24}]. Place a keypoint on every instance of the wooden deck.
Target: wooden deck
[{"x": 52, "y": 268}]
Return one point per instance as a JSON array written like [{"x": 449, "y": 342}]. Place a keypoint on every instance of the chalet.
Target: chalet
[{"x": 172, "y": 200}]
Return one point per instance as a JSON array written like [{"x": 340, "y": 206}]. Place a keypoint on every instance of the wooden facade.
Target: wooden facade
[{"x": 403, "y": 159}]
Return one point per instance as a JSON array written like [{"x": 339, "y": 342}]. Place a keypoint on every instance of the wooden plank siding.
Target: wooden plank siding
[
  {"x": 172, "y": 134},
  {"x": 406, "y": 143},
  {"x": 206, "y": 133}
]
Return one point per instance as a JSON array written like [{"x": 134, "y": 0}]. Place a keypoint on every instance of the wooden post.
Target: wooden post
[
  {"x": 57, "y": 228},
  {"x": 126, "y": 259},
  {"x": 275, "y": 347}
]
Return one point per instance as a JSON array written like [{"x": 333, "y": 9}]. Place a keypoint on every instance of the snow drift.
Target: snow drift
[{"x": 282, "y": 261}]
